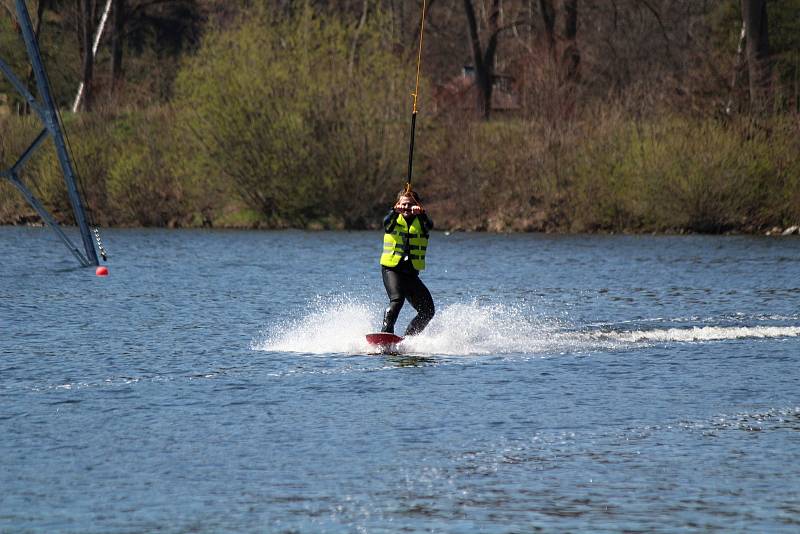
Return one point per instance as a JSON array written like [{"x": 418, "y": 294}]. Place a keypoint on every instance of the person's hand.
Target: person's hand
[{"x": 417, "y": 210}]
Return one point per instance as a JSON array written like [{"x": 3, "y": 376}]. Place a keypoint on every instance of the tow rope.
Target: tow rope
[{"x": 415, "y": 94}]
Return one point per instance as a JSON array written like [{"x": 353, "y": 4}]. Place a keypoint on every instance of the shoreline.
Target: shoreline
[{"x": 793, "y": 230}]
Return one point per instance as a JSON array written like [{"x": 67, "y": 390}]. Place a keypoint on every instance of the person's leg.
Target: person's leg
[
  {"x": 394, "y": 289},
  {"x": 419, "y": 297}
]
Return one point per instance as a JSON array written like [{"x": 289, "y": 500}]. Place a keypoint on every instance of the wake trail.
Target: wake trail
[
  {"x": 697, "y": 334},
  {"x": 338, "y": 326}
]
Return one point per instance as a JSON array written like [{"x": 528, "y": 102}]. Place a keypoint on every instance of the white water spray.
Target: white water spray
[
  {"x": 335, "y": 325},
  {"x": 338, "y": 325}
]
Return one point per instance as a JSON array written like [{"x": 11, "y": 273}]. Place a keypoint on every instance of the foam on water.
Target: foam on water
[
  {"x": 339, "y": 324},
  {"x": 699, "y": 334}
]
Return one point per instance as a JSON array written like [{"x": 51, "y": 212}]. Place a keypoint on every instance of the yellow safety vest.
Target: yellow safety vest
[{"x": 394, "y": 244}]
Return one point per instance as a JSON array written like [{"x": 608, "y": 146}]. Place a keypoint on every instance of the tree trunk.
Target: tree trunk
[
  {"x": 569, "y": 55},
  {"x": 484, "y": 59},
  {"x": 87, "y": 70},
  {"x": 560, "y": 19},
  {"x": 736, "y": 68},
  {"x": 549, "y": 20},
  {"x": 119, "y": 9},
  {"x": 754, "y": 16}
]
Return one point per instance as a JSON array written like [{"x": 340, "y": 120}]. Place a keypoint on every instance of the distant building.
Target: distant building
[{"x": 461, "y": 93}]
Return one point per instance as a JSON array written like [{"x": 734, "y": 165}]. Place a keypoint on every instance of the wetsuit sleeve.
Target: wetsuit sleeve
[
  {"x": 390, "y": 220},
  {"x": 427, "y": 222}
]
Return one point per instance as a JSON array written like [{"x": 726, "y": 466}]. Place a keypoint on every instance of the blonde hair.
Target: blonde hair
[{"x": 409, "y": 193}]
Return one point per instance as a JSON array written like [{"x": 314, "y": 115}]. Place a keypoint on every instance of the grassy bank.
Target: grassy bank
[{"x": 611, "y": 173}]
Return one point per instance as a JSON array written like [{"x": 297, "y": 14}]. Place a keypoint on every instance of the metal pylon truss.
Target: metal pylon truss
[{"x": 46, "y": 110}]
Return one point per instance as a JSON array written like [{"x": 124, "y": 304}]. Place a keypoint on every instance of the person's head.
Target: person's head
[{"x": 406, "y": 199}]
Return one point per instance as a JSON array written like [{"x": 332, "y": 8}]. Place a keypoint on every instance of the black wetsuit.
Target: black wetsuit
[{"x": 402, "y": 283}]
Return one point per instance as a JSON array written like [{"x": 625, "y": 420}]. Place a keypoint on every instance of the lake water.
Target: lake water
[{"x": 218, "y": 381}]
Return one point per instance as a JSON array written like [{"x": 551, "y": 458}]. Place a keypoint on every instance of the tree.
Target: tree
[
  {"x": 560, "y": 18},
  {"x": 167, "y": 27},
  {"x": 569, "y": 55},
  {"x": 484, "y": 58},
  {"x": 754, "y": 17},
  {"x": 119, "y": 10}
]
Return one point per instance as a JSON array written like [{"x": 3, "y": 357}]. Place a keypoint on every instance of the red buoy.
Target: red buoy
[{"x": 101, "y": 271}]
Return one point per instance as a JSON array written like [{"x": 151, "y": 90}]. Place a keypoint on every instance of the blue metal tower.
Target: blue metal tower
[{"x": 46, "y": 110}]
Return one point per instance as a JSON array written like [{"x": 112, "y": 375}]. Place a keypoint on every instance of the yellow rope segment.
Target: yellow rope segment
[{"x": 419, "y": 55}]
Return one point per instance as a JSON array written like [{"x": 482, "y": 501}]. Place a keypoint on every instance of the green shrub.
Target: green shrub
[
  {"x": 90, "y": 142},
  {"x": 16, "y": 134},
  {"x": 677, "y": 173},
  {"x": 294, "y": 118},
  {"x": 613, "y": 172},
  {"x": 124, "y": 165},
  {"x": 143, "y": 185}
]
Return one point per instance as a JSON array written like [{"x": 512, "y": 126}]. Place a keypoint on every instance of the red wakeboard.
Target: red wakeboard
[{"x": 384, "y": 341}]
